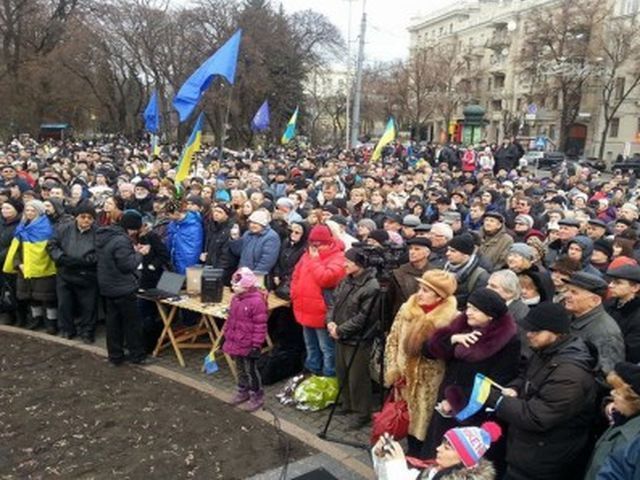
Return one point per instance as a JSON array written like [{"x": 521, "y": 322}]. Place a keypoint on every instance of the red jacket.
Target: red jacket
[{"x": 310, "y": 277}]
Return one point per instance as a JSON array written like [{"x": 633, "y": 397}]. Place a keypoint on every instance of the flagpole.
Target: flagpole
[{"x": 224, "y": 126}]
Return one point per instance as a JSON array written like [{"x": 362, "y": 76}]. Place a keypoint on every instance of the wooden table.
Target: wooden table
[{"x": 211, "y": 324}]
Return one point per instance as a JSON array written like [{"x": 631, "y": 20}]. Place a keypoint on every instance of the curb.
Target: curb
[{"x": 288, "y": 427}]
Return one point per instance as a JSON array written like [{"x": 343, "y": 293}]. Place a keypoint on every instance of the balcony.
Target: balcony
[{"x": 499, "y": 41}]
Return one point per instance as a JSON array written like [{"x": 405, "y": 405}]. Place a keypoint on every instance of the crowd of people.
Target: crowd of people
[{"x": 438, "y": 263}]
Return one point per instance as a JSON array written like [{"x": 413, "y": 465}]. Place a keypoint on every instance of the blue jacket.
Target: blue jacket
[
  {"x": 623, "y": 463},
  {"x": 185, "y": 239},
  {"x": 259, "y": 252}
]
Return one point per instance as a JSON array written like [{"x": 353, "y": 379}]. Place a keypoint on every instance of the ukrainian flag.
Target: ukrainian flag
[
  {"x": 290, "y": 132},
  {"x": 36, "y": 262},
  {"x": 479, "y": 396},
  {"x": 192, "y": 146},
  {"x": 387, "y": 137}
]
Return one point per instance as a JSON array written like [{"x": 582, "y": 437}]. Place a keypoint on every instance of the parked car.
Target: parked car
[
  {"x": 630, "y": 163},
  {"x": 551, "y": 160},
  {"x": 531, "y": 158}
]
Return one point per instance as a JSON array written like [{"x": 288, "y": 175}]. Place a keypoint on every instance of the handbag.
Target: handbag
[{"x": 393, "y": 418}]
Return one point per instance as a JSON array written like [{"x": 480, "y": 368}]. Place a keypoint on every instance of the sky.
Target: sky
[{"x": 386, "y": 37}]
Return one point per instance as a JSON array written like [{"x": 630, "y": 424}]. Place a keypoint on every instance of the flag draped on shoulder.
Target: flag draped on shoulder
[
  {"x": 290, "y": 131},
  {"x": 223, "y": 62},
  {"x": 260, "y": 120},
  {"x": 192, "y": 146},
  {"x": 387, "y": 137},
  {"x": 33, "y": 236},
  {"x": 152, "y": 114}
]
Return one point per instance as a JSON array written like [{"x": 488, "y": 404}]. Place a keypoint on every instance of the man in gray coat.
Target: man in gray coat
[{"x": 590, "y": 321}]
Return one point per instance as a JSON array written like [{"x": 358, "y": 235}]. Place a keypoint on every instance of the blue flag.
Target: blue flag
[
  {"x": 222, "y": 63},
  {"x": 152, "y": 114},
  {"x": 260, "y": 120}
]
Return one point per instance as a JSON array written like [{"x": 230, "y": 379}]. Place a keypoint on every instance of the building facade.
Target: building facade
[{"x": 495, "y": 31}]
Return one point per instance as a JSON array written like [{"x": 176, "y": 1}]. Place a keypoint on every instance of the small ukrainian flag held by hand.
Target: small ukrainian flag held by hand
[
  {"x": 190, "y": 149},
  {"x": 210, "y": 365},
  {"x": 479, "y": 396},
  {"x": 290, "y": 132},
  {"x": 387, "y": 137}
]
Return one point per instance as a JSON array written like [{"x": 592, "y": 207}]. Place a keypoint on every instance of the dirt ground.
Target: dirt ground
[{"x": 67, "y": 414}]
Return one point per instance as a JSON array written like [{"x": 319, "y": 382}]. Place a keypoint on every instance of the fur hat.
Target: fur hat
[
  {"x": 471, "y": 443},
  {"x": 547, "y": 316},
  {"x": 441, "y": 282},
  {"x": 261, "y": 217},
  {"x": 488, "y": 302},
  {"x": 630, "y": 374},
  {"x": 356, "y": 256}
]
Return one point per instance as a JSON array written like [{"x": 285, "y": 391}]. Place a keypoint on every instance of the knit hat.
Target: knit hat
[
  {"x": 547, "y": 316},
  {"x": 471, "y": 443},
  {"x": 534, "y": 233},
  {"x": 380, "y": 236},
  {"x": 244, "y": 278},
  {"x": 525, "y": 251},
  {"x": 603, "y": 246},
  {"x": 131, "y": 220},
  {"x": 463, "y": 244},
  {"x": 285, "y": 202},
  {"x": 368, "y": 224},
  {"x": 524, "y": 219},
  {"x": 37, "y": 205},
  {"x": 441, "y": 282},
  {"x": 85, "y": 206},
  {"x": 16, "y": 204},
  {"x": 488, "y": 302},
  {"x": 630, "y": 374},
  {"x": 622, "y": 260},
  {"x": 196, "y": 200},
  {"x": 224, "y": 207},
  {"x": 356, "y": 256},
  {"x": 261, "y": 217},
  {"x": 321, "y": 234}
]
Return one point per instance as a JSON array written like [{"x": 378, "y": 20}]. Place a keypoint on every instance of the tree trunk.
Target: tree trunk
[{"x": 603, "y": 138}]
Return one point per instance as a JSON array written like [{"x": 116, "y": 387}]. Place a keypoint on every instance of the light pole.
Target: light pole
[
  {"x": 355, "y": 130},
  {"x": 348, "y": 79}
]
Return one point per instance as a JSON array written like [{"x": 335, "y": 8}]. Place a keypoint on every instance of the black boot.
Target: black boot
[
  {"x": 51, "y": 326},
  {"x": 36, "y": 323}
]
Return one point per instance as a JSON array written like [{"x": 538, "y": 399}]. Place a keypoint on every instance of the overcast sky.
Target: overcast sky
[{"x": 387, "y": 22}]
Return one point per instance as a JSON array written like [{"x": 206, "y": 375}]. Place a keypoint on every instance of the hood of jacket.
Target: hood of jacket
[
  {"x": 105, "y": 234},
  {"x": 586, "y": 244},
  {"x": 570, "y": 350}
]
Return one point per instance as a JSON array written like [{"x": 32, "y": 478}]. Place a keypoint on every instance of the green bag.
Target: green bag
[{"x": 316, "y": 393}]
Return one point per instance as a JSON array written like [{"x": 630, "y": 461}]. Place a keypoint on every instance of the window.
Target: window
[
  {"x": 518, "y": 104},
  {"x": 638, "y": 127},
  {"x": 614, "y": 128},
  {"x": 499, "y": 83},
  {"x": 450, "y": 27},
  {"x": 619, "y": 92},
  {"x": 489, "y": 83},
  {"x": 496, "y": 105},
  {"x": 555, "y": 101},
  {"x": 552, "y": 131}
]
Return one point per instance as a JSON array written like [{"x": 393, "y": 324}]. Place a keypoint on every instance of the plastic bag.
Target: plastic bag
[{"x": 316, "y": 393}]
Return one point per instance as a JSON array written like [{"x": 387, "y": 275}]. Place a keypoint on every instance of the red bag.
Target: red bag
[{"x": 393, "y": 418}]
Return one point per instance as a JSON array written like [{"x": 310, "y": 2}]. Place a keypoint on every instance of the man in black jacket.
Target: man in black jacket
[
  {"x": 118, "y": 261},
  {"x": 349, "y": 320},
  {"x": 624, "y": 307},
  {"x": 550, "y": 407},
  {"x": 73, "y": 249}
]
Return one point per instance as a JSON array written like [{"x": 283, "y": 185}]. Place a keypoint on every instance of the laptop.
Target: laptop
[{"x": 169, "y": 285}]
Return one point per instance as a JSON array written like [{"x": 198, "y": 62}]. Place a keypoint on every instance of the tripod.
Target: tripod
[{"x": 379, "y": 329}]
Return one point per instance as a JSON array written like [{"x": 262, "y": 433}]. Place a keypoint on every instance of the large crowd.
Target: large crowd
[{"x": 436, "y": 263}]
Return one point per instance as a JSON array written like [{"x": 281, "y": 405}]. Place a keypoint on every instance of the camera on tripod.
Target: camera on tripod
[{"x": 385, "y": 259}]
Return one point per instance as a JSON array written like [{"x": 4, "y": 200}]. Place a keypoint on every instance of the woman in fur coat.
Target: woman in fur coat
[
  {"x": 482, "y": 340},
  {"x": 432, "y": 307}
]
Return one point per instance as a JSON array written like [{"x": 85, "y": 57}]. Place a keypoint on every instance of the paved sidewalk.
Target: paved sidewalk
[{"x": 342, "y": 461}]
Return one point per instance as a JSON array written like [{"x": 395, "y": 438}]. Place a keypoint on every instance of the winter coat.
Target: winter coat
[
  {"x": 602, "y": 331},
  {"x": 7, "y": 230},
  {"x": 143, "y": 206},
  {"x": 404, "y": 284},
  {"x": 623, "y": 463},
  {"x": 470, "y": 277},
  {"x": 155, "y": 262},
  {"x": 586, "y": 244},
  {"x": 74, "y": 253},
  {"x": 246, "y": 325},
  {"x": 257, "y": 251},
  {"x": 118, "y": 273},
  {"x": 290, "y": 255},
  {"x": 614, "y": 438},
  {"x": 627, "y": 316},
  {"x": 482, "y": 471},
  {"x": 550, "y": 420},
  {"x": 354, "y": 300},
  {"x": 403, "y": 359},
  {"x": 217, "y": 246},
  {"x": 496, "y": 355},
  {"x": 184, "y": 241},
  {"x": 495, "y": 248},
  {"x": 310, "y": 277},
  {"x": 438, "y": 257}
]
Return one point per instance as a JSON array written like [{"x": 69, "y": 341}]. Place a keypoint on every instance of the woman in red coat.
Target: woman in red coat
[{"x": 316, "y": 275}]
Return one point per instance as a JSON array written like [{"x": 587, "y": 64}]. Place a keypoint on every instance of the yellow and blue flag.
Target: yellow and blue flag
[
  {"x": 479, "y": 396},
  {"x": 223, "y": 62},
  {"x": 210, "y": 365},
  {"x": 387, "y": 137},
  {"x": 190, "y": 149},
  {"x": 33, "y": 236},
  {"x": 290, "y": 131}
]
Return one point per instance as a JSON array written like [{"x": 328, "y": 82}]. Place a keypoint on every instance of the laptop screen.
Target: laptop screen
[{"x": 171, "y": 282}]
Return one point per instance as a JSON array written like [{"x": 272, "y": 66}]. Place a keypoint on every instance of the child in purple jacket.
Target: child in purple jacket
[{"x": 244, "y": 334}]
